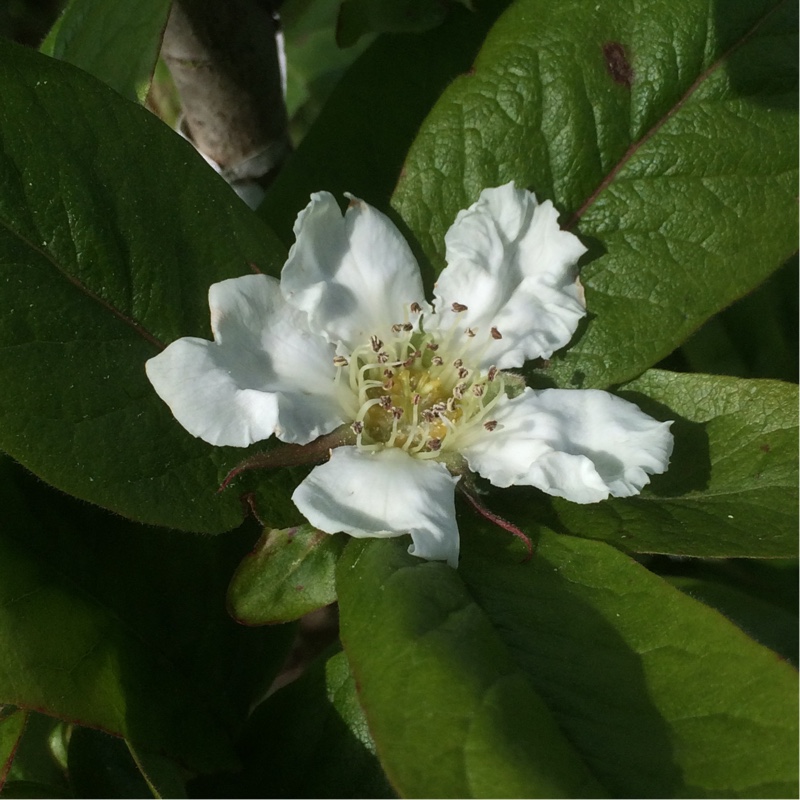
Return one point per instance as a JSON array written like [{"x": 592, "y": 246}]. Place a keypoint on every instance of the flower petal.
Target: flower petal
[
  {"x": 355, "y": 275},
  {"x": 515, "y": 271},
  {"x": 265, "y": 372},
  {"x": 384, "y": 494},
  {"x": 581, "y": 445}
]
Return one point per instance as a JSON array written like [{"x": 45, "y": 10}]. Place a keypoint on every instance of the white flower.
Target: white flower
[{"x": 347, "y": 341}]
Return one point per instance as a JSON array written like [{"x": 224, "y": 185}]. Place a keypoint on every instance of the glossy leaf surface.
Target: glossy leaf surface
[
  {"x": 104, "y": 259},
  {"x": 116, "y": 42},
  {"x": 653, "y": 693},
  {"x": 665, "y": 138}
]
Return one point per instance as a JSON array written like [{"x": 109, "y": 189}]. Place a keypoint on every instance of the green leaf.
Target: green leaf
[
  {"x": 289, "y": 573},
  {"x": 662, "y": 696},
  {"x": 451, "y": 713},
  {"x": 116, "y": 42},
  {"x": 111, "y": 231},
  {"x": 12, "y": 724},
  {"x": 310, "y": 739},
  {"x": 655, "y": 694},
  {"x": 666, "y": 137},
  {"x": 731, "y": 488},
  {"x": 123, "y": 628},
  {"x": 163, "y": 776},
  {"x": 40, "y": 759},
  {"x": 768, "y": 624},
  {"x": 374, "y": 113}
]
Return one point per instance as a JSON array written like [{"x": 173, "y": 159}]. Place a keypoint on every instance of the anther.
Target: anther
[
  {"x": 357, "y": 427},
  {"x": 492, "y": 373},
  {"x": 407, "y": 326},
  {"x": 428, "y": 415},
  {"x": 462, "y": 373},
  {"x": 340, "y": 361},
  {"x": 434, "y": 444},
  {"x": 397, "y": 412},
  {"x": 470, "y": 333},
  {"x": 416, "y": 399},
  {"x": 450, "y": 406},
  {"x": 432, "y": 346},
  {"x": 385, "y": 402},
  {"x": 383, "y": 357},
  {"x": 458, "y": 363},
  {"x": 458, "y": 390},
  {"x": 416, "y": 308},
  {"x": 376, "y": 343},
  {"x": 388, "y": 384},
  {"x": 437, "y": 361},
  {"x": 397, "y": 328},
  {"x": 478, "y": 389},
  {"x": 458, "y": 307},
  {"x": 387, "y": 373},
  {"x": 496, "y": 334},
  {"x": 490, "y": 424}
]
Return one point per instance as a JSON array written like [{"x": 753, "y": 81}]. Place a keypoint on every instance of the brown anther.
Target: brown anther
[
  {"x": 439, "y": 408},
  {"x": 458, "y": 307},
  {"x": 458, "y": 390},
  {"x": 463, "y": 372},
  {"x": 388, "y": 384},
  {"x": 490, "y": 424},
  {"x": 387, "y": 373},
  {"x": 340, "y": 361},
  {"x": 496, "y": 334},
  {"x": 357, "y": 427},
  {"x": 416, "y": 308},
  {"x": 437, "y": 361},
  {"x": 397, "y": 328},
  {"x": 428, "y": 415},
  {"x": 470, "y": 333},
  {"x": 385, "y": 402},
  {"x": 407, "y": 326},
  {"x": 492, "y": 374},
  {"x": 412, "y": 358},
  {"x": 434, "y": 444},
  {"x": 458, "y": 363},
  {"x": 383, "y": 357},
  {"x": 416, "y": 399},
  {"x": 432, "y": 346},
  {"x": 397, "y": 412},
  {"x": 376, "y": 343},
  {"x": 478, "y": 389},
  {"x": 450, "y": 405}
]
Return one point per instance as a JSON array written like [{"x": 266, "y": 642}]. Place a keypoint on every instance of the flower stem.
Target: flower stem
[{"x": 499, "y": 521}]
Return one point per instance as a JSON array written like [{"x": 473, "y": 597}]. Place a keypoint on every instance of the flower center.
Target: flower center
[{"x": 414, "y": 391}]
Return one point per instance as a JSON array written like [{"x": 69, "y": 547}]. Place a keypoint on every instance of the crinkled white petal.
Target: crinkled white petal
[
  {"x": 515, "y": 270},
  {"x": 265, "y": 372},
  {"x": 354, "y": 275},
  {"x": 384, "y": 494},
  {"x": 581, "y": 445}
]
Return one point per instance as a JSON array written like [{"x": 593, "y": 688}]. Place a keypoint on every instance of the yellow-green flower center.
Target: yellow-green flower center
[{"x": 416, "y": 393}]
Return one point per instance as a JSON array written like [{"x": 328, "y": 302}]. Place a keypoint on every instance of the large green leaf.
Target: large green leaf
[
  {"x": 123, "y": 628},
  {"x": 666, "y": 136},
  {"x": 657, "y": 695},
  {"x": 363, "y": 134},
  {"x": 731, "y": 488},
  {"x": 116, "y": 42},
  {"x": 451, "y": 712},
  {"x": 111, "y": 231}
]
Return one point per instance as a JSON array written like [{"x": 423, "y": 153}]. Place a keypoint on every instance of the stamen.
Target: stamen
[
  {"x": 496, "y": 334},
  {"x": 416, "y": 308},
  {"x": 478, "y": 389},
  {"x": 458, "y": 363},
  {"x": 470, "y": 333},
  {"x": 437, "y": 361},
  {"x": 458, "y": 307},
  {"x": 490, "y": 425},
  {"x": 375, "y": 343},
  {"x": 385, "y": 402},
  {"x": 357, "y": 427},
  {"x": 492, "y": 374},
  {"x": 462, "y": 373},
  {"x": 434, "y": 444},
  {"x": 432, "y": 346},
  {"x": 340, "y": 361},
  {"x": 407, "y": 326}
]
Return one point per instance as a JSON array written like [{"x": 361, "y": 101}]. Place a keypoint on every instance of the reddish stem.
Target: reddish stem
[{"x": 500, "y": 522}]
